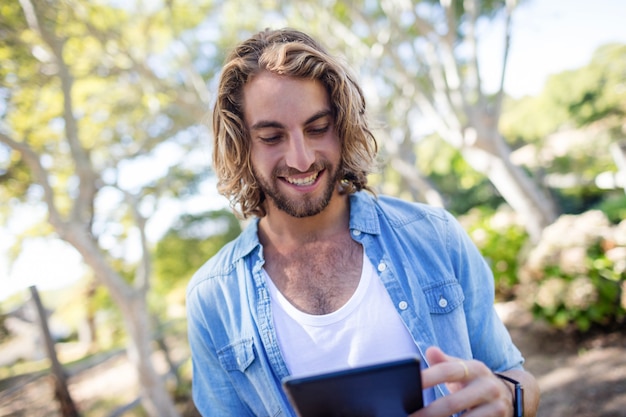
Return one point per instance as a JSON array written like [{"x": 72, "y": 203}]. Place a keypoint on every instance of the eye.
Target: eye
[
  {"x": 319, "y": 130},
  {"x": 270, "y": 139}
]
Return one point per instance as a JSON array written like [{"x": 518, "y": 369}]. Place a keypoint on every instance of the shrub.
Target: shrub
[
  {"x": 576, "y": 275},
  {"x": 499, "y": 236},
  {"x": 614, "y": 207}
]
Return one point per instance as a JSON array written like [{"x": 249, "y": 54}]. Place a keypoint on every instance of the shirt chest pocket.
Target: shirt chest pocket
[
  {"x": 444, "y": 298},
  {"x": 249, "y": 379},
  {"x": 237, "y": 356}
]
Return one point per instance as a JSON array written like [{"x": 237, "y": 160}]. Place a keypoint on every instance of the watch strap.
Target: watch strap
[{"x": 518, "y": 394}]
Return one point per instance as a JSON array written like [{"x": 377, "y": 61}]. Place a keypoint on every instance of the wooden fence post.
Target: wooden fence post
[{"x": 61, "y": 392}]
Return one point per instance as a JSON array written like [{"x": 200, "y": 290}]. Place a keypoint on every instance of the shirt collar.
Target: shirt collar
[
  {"x": 363, "y": 217},
  {"x": 248, "y": 240},
  {"x": 363, "y": 214}
]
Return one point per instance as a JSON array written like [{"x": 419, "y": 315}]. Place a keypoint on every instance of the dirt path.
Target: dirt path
[{"x": 578, "y": 378}]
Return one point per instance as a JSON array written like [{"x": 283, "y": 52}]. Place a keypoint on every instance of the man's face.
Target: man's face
[{"x": 295, "y": 151}]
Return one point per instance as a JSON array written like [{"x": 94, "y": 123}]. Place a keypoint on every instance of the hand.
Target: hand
[{"x": 473, "y": 387}]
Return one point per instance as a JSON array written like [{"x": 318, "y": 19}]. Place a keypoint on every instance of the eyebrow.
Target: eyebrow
[{"x": 262, "y": 124}]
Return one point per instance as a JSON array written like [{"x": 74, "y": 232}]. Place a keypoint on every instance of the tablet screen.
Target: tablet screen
[{"x": 392, "y": 389}]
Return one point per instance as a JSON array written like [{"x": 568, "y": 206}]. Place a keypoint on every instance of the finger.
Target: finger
[
  {"x": 466, "y": 372},
  {"x": 434, "y": 355},
  {"x": 456, "y": 371},
  {"x": 480, "y": 398},
  {"x": 445, "y": 368},
  {"x": 487, "y": 399}
]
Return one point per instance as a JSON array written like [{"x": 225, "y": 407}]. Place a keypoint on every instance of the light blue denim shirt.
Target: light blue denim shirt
[{"x": 440, "y": 284}]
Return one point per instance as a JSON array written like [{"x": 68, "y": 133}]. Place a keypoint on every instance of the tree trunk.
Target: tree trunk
[
  {"x": 516, "y": 188},
  {"x": 152, "y": 385},
  {"x": 489, "y": 154},
  {"x": 75, "y": 225},
  {"x": 132, "y": 303},
  {"x": 159, "y": 337}
]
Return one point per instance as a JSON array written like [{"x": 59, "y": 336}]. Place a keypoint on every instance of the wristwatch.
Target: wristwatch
[{"x": 518, "y": 395}]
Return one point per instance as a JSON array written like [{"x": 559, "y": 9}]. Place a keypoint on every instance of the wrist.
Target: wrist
[{"x": 517, "y": 394}]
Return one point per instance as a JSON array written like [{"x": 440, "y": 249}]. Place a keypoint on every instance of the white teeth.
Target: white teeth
[{"x": 302, "y": 181}]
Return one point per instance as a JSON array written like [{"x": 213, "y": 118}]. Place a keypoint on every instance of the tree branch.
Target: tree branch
[
  {"x": 31, "y": 158},
  {"x": 441, "y": 92},
  {"x": 142, "y": 277},
  {"x": 417, "y": 181},
  {"x": 446, "y": 79},
  {"x": 473, "y": 73},
  {"x": 510, "y": 6},
  {"x": 82, "y": 210}
]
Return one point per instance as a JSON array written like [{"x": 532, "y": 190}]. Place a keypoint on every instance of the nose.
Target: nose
[{"x": 300, "y": 154}]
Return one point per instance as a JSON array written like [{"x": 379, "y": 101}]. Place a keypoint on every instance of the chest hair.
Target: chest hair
[{"x": 317, "y": 277}]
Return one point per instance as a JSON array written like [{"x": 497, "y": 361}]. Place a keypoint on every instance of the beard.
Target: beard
[{"x": 302, "y": 206}]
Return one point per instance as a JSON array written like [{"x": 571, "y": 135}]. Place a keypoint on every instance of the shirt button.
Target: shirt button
[
  {"x": 443, "y": 302},
  {"x": 356, "y": 232},
  {"x": 382, "y": 266},
  {"x": 403, "y": 305}
]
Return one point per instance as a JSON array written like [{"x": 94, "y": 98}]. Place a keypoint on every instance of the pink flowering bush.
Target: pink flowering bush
[{"x": 576, "y": 275}]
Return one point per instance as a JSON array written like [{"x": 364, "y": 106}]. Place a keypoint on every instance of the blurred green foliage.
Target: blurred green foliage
[
  {"x": 575, "y": 98},
  {"x": 120, "y": 110},
  {"x": 613, "y": 206},
  {"x": 567, "y": 130},
  {"x": 454, "y": 178},
  {"x": 500, "y": 238},
  {"x": 574, "y": 277},
  {"x": 192, "y": 240}
]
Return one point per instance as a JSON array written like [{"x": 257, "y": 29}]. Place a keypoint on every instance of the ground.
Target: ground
[
  {"x": 578, "y": 376},
  {"x": 582, "y": 376}
]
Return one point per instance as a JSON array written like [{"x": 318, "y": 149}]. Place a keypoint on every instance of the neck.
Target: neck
[{"x": 278, "y": 228}]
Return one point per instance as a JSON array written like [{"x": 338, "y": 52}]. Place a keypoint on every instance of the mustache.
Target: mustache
[{"x": 287, "y": 171}]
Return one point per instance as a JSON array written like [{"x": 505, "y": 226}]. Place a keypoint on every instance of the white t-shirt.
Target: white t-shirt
[{"x": 366, "y": 330}]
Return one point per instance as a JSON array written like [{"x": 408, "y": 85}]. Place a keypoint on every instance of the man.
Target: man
[{"x": 328, "y": 275}]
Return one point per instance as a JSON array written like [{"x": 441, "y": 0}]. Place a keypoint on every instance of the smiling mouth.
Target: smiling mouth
[{"x": 303, "y": 181}]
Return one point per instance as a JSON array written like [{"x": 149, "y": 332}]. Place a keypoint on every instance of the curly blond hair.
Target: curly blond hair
[{"x": 295, "y": 54}]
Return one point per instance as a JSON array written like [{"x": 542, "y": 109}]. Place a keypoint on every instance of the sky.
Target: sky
[{"x": 549, "y": 36}]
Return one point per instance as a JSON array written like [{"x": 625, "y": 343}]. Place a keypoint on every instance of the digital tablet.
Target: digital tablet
[{"x": 392, "y": 389}]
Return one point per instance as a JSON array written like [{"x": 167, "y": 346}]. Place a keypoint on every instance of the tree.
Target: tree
[
  {"x": 89, "y": 92},
  {"x": 577, "y": 98},
  {"x": 421, "y": 59},
  {"x": 577, "y": 118}
]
